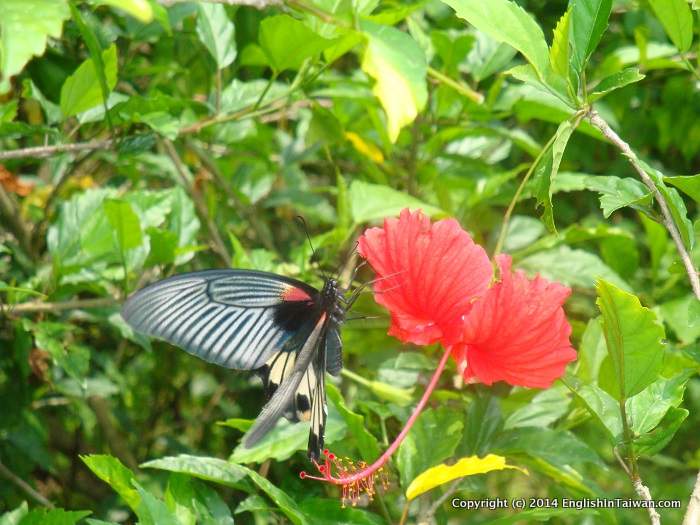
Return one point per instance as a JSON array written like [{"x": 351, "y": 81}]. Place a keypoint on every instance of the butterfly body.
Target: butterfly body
[{"x": 285, "y": 330}]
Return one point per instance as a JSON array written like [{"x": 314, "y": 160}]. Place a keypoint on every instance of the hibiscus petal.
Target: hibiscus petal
[
  {"x": 428, "y": 275},
  {"x": 517, "y": 333}
]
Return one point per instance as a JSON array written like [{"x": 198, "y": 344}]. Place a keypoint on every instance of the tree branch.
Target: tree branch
[
  {"x": 40, "y": 306},
  {"x": 24, "y": 486},
  {"x": 47, "y": 151},
  {"x": 692, "y": 515},
  {"x": 644, "y": 493},
  {"x": 613, "y": 137}
]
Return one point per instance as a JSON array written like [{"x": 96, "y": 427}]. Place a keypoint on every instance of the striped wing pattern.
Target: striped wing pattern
[
  {"x": 226, "y": 317},
  {"x": 246, "y": 319}
]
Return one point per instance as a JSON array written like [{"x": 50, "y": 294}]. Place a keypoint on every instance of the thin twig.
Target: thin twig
[
  {"x": 430, "y": 512},
  {"x": 217, "y": 242},
  {"x": 47, "y": 151},
  {"x": 24, "y": 486},
  {"x": 9, "y": 210},
  {"x": 643, "y": 492},
  {"x": 41, "y": 306},
  {"x": 511, "y": 206},
  {"x": 613, "y": 137},
  {"x": 692, "y": 515},
  {"x": 458, "y": 86}
]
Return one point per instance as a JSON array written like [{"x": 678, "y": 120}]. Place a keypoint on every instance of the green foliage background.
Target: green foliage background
[{"x": 189, "y": 135}]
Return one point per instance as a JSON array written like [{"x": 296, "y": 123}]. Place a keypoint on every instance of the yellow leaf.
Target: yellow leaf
[
  {"x": 468, "y": 466},
  {"x": 139, "y": 9},
  {"x": 367, "y": 149},
  {"x": 398, "y": 66}
]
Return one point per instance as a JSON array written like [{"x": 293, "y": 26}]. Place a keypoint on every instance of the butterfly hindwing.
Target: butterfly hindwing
[
  {"x": 233, "y": 318},
  {"x": 284, "y": 397},
  {"x": 318, "y": 409}
]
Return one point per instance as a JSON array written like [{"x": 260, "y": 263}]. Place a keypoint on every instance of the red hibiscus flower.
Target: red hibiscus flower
[
  {"x": 428, "y": 275},
  {"x": 434, "y": 281},
  {"x": 517, "y": 333}
]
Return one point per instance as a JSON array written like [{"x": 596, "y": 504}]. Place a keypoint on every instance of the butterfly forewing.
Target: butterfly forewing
[{"x": 233, "y": 318}]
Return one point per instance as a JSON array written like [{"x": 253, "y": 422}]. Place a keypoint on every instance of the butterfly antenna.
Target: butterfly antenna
[{"x": 308, "y": 237}]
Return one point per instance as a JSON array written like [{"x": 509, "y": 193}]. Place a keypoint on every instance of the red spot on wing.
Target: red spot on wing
[{"x": 292, "y": 293}]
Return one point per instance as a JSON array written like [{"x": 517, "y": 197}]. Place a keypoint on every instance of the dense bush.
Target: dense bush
[{"x": 141, "y": 138}]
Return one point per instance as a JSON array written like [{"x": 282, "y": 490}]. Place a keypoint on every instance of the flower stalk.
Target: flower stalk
[{"x": 361, "y": 478}]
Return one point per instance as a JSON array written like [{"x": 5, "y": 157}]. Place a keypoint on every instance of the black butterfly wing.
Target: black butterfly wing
[
  {"x": 297, "y": 389},
  {"x": 233, "y": 318}
]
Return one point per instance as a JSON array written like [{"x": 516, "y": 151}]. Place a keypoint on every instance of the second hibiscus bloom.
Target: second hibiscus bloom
[{"x": 437, "y": 285}]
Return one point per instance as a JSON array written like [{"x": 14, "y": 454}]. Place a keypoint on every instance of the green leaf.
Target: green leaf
[
  {"x": 230, "y": 475},
  {"x": 676, "y": 206},
  {"x": 651, "y": 443},
  {"x": 208, "y": 469},
  {"x": 621, "y": 254},
  {"x": 194, "y": 502},
  {"x": 369, "y": 202},
  {"x": 486, "y": 57},
  {"x": 420, "y": 450},
  {"x": 95, "y": 49},
  {"x": 13, "y": 517},
  {"x": 542, "y": 410},
  {"x": 153, "y": 511},
  {"x": 366, "y": 443},
  {"x": 163, "y": 246},
  {"x": 25, "y": 25},
  {"x": 217, "y": 33},
  {"x": 482, "y": 423},
  {"x": 646, "y": 409},
  {"x": 688, "y": 184},
  {"x": 656, "y": 241},
  {"x": 53, "y": 517},
  {"x": 546, "y": 172},
  {"x": 677, "y": 19},
  {"x": 556, "y": 447},
  {"x": 125, "y": 223},
  {"x": 559, "y": 51},
  {"x": 571, "y": 267},
  {"x": 110, "y": 470},
  {"x": 634, "y": 338},
  {"x": 286, "y": 439},
  {"x": 398, "y": 66},
  {"x": 81, "y": 91},
  {"x": 679, "y": 314},
  {"x": 601, "y": 405},
  {"x": 287, "y": 42},
  {"x": 506, "y": 21},
  {"x": 589, "y": 19},
  {"x": 615, "y": 81},
  {"x": 615, "y": 192}
]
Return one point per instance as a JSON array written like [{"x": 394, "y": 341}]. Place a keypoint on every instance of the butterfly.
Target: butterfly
[{"x": 284, "y": 329}]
